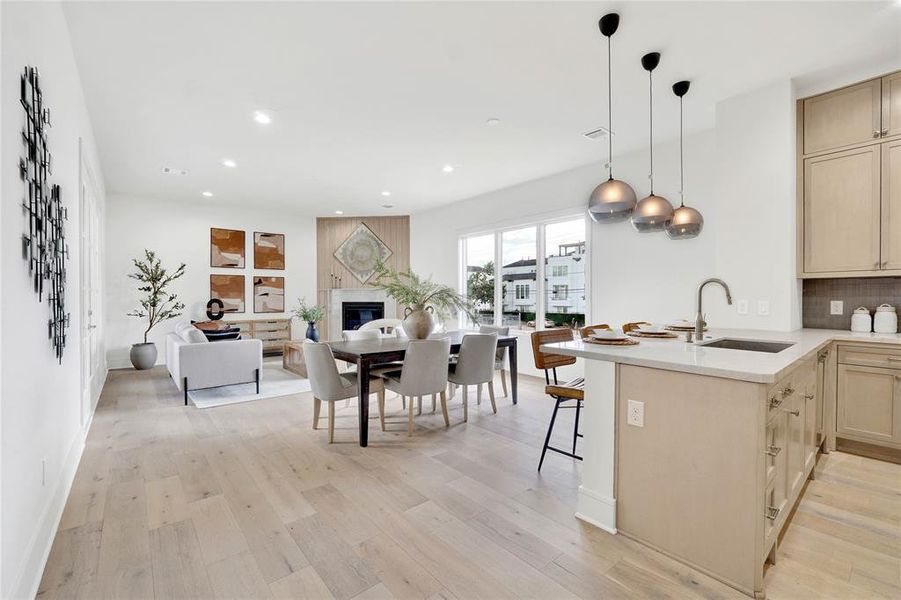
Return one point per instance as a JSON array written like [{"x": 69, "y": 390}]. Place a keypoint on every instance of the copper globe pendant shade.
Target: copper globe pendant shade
[
  {"x": 653, "y": 212},
  {"x": 687, "y": 222},
  {"x": 613, "y": 200}
]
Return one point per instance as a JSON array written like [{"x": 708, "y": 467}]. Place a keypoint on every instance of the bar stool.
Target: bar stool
[{"x": 571, "y": 391}]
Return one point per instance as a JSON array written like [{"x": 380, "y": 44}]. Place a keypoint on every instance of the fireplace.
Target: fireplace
[{"x": 355, "y": 314}]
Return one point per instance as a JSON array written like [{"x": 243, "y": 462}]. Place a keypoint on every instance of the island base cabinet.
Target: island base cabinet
[
  {"x": 869, "y": 404},
  {"x": 711, "y": 476}
]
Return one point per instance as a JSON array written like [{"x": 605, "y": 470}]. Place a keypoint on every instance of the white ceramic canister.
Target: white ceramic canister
[
  {"x": 861, "y": 321},
  {"x": 886, "y": 320}
]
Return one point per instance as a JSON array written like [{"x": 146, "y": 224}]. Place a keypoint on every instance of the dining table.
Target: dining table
[{"x": 369, "y": 353}]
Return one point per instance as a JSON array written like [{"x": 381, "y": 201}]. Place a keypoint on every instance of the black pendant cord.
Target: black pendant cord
[
  {"x": 651, "y": 121},
  {"x": 609, "y": 112},
  {"x": 681, "y": 160}
]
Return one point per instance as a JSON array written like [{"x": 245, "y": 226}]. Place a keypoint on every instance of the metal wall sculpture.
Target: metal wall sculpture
[{"x": 44, "y": 245}]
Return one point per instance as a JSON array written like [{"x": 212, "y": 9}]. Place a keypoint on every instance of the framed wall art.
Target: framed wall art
[
  {"x": 230, "y": 290},
  {"x": 227, "y": 248},
  {"x": 268, "y": 294},
  {"x": 268, "y": 250}
]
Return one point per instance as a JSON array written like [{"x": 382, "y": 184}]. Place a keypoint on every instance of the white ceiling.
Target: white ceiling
[{"x": 373, "y": 96}]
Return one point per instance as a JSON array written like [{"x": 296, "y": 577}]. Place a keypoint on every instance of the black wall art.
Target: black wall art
[{"x": 44, "y": 245}]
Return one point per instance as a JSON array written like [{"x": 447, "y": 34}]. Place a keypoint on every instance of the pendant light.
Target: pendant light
[
  {"x": 613, "y": 200},
  {"x": 687, "y": 222},
  {"x": 653, "y": 212}
]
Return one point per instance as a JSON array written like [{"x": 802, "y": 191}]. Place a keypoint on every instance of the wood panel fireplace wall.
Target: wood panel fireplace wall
[{"x": 332, "y": 231}]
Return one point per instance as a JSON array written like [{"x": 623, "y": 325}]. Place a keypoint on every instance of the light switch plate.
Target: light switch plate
[
  {"x": 836, "y": 307},
  {"x": 742, "y": 307},
  {"x": 636, "y": 413},
  {"x": 763, "y": 308}
]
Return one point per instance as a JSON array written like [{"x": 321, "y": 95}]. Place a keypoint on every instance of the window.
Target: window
[
  {"x": 478, "y": 252},
  {"x": 533, "y": 294}
]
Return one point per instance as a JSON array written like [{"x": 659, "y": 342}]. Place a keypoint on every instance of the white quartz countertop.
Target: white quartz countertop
[{"x": 758, "y": 367}]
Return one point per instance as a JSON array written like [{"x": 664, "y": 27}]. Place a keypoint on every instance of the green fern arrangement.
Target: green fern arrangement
[
  {"x": 157, "y": 305},
  {"x": 307, "y": 313},
  {"x": 409, "y": 289}
]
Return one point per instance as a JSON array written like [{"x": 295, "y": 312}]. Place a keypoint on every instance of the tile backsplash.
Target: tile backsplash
[{"x": 859, "y": 291}]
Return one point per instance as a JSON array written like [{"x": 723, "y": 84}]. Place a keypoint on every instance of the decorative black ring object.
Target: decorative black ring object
[
  {"x": 215, "y": 316},
  {"x": 608, "y": 24}
]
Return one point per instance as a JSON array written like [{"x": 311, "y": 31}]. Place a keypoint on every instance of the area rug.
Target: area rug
[{"x": 274, "y": 382}]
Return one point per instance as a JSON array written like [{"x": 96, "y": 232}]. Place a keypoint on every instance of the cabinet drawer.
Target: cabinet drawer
[
  {"x": 870, "y": 357},
  {"x": 775, "y": 451},
  {"x": 773, "y": 506},
  {"x": 271, "y": 325}
]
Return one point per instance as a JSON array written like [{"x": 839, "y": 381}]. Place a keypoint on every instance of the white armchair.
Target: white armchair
[{"x": 196, "y": 364}]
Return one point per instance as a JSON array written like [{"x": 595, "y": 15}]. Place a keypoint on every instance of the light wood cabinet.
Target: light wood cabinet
[
  {"x": 869, "y": 404},
  {"x": 891, "y": 105},
  {"x": 842, "y": 220},
  {"x": 891, "y": 205},
  {"x": 843, "y": 118},
  {"x": 272, "y": 332}
]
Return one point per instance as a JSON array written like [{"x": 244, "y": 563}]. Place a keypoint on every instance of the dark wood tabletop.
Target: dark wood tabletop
[{"x": 368, "y": 353}]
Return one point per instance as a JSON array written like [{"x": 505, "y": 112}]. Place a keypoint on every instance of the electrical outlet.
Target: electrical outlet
[
  {"x": 636, "y": 413},
  {"x": 763, "y": 308},
  {"x": 836, "y": 307},
  {"x": 742, "y": 307}
]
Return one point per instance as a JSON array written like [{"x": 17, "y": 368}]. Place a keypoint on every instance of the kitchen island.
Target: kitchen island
[{"x": 702, "y": 452}]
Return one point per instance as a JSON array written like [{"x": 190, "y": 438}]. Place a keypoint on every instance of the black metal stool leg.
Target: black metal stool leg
[
  {"x": 576, "y": 426},
  {"x": 550, "y": 429}
]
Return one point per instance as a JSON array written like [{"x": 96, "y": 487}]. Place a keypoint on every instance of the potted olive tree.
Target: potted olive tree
[
  {"x": 157, "y": 303},
  {"x": 310, "y": 315},
  {"x": 423, "y": 300}
]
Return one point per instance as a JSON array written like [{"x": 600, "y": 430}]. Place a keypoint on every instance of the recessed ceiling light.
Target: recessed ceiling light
[
  {"x": 339, "y": 212},
  {"x": 227, "y": 162},
  {"x": 261, "y": 117},
  {"x": 208, "y": 194},
  {"x": 492, "y": 122},
  {"x": 448, "y": 168},
  {"x": 386, "y": 193}
]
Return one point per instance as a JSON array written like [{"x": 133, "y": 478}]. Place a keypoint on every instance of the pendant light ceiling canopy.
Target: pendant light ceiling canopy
[
  {"x": 653, "y": 212},
  {"x": 613, "y": 200},
  {"x": 687, "y": 222}
]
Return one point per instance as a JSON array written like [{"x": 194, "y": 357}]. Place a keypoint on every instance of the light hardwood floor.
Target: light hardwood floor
[{"x": 248, "y": 501}]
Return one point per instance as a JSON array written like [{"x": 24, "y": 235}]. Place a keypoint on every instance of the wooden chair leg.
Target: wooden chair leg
[
  {"x": 504, "y": 381},
  {"x": 382, "y": 409},
  {"x": 491, "y": 396},
  {"x": 317, "y": 406},
  {"x": 433, "y": 404},
  {"x": 419, "y": 405},
  {"x": 465, "y": 403},
  {"x": 444, "y": 409},
  {"x": 453, "y": 389},
  {"x": 331, "y": 422},
  {"x": 403, "y": 403},
  {"x": 479, "y": 394},
  {"x": 410, "y": 417}
]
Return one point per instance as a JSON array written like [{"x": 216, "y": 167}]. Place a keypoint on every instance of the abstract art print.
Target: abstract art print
[
  {"x": 361, "y": 252},
  {"x": 268, "y": 294},
  {"x": 268, "y": 250},
  {"x": 230, "y": 290},
  {"x": 226, "y": 248}
]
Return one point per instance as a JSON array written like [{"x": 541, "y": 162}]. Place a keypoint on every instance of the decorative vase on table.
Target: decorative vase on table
[
  {"x": 143, "y": 356},
  {"x": 418, "y": 322},
  {"x": 312, "y": 333}
]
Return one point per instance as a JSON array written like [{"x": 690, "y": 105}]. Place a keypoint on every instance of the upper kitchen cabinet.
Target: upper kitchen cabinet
[
  {"x": 841, "y": 211},
  {"x": 891, "y": 205},
  {"x": 891, "y": 105},
  {"x": 843, "y": 118}
]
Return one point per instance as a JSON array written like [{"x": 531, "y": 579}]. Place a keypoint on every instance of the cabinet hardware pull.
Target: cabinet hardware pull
[
  {"x": 809, "y": 396},
  {"x": 796, "y": 412},
  {"x": 894, "y": 358},
  {"x": 786, "y": 392},
  {"x": 772, "y": 512},
  {"x": 876, "y": 133},
  {"x": 884, "y": 132},
  {"x": 773, "y": 450},
  {"x": 775, "y": 402}
]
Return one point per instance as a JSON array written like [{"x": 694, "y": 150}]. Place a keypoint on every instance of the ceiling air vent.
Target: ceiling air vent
[
  {"x": 171, "y": 171},
  {"x": 596, "y": 134}
]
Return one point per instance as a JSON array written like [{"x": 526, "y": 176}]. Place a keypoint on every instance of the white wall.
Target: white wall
[
  {"x": 41, "y": 412},
  {"x": 180, "y": 232}
]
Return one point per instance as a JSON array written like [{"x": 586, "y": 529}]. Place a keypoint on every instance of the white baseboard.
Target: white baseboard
[{"x": 597, "y": 509}]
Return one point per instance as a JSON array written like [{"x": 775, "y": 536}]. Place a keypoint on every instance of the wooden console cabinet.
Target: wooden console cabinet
[{"x": 272, "y": 332}]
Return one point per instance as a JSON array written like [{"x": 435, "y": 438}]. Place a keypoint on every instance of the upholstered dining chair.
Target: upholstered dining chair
[
  {"x": 386, "y": 326},
  {"x": 424, "y": 373},
  {"x": 330, "y": 386},
  {"x": 353, "y": 335},
  {"x": 475, "y": 366},
  {"x": 500, "y": 359},
  {"x": 571, "y": 391}
]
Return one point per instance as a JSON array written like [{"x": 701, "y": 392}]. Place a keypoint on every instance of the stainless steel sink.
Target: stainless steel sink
[{"x": 749, "y": 345}]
